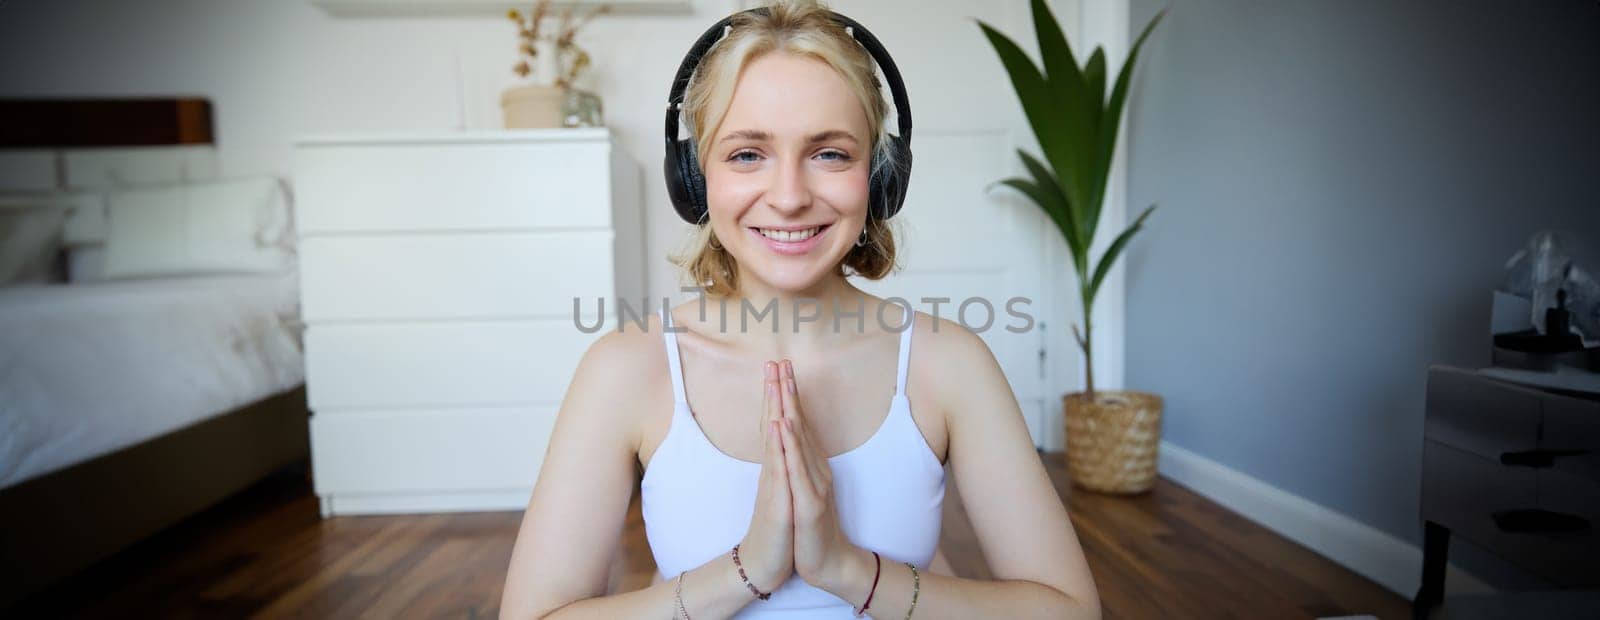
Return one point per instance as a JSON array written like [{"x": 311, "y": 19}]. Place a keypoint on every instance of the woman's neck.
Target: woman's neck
[{"x": 789, "y": 322}]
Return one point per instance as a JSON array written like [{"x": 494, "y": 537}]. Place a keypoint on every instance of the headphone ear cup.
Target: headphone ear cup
[
  {"x": 694, "y": 179},
  {"x": 686, "y": 187},
  {"x": 888, "y": 184}
]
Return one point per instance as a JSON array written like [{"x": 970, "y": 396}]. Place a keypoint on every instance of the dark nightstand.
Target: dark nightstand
[{"x": 1516, "y": 470}]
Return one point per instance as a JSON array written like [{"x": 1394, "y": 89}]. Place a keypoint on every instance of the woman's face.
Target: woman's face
[{"x": 792, "y": 155}]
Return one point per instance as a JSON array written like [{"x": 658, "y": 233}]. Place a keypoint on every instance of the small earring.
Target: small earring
[{"x": 862, "y": 241}]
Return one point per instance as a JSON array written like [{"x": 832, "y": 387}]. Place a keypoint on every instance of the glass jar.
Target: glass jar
[{"x": 581, "y": 108}]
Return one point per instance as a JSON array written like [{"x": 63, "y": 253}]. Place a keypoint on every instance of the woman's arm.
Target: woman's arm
[
  {"x": 573, "y": 524},
  {"x": 940, "y": 563},
  {"x": 1020, "y": 521}
]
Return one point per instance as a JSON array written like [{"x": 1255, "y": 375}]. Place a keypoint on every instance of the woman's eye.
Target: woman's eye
[
  {"x": 739, "y": 157},
  {"x": 839, "y": 155}
]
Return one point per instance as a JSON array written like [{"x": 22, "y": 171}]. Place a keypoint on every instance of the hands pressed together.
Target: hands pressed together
[{"x": 795, "y": 527}]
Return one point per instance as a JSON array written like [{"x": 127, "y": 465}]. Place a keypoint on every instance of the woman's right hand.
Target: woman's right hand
[{"x": 767, "y": 550}]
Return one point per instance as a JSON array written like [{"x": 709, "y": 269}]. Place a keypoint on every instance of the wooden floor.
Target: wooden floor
[{"x": 266, "y": 552}]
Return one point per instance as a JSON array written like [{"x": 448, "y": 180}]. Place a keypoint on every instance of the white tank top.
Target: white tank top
[{"x": 697, "y": 501}]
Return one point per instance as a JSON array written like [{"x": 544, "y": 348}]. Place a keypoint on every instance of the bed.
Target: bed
[{"x": 150, "y": 355}]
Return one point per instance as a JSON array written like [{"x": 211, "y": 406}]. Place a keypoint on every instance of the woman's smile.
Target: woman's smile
[{"x": 790, "y": 241}]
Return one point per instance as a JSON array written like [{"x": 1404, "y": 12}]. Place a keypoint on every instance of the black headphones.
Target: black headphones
[{"x": 686, "y": 184}]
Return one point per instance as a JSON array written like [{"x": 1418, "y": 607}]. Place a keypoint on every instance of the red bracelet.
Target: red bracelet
[{"x": 878, "y": 570}]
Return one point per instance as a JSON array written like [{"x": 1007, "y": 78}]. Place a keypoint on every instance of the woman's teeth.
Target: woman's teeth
[{"x": 789, "y": 236}]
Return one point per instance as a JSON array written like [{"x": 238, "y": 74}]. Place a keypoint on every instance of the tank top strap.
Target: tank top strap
[
  {"x": 673, "y": 359},
  {"x": 905, "y": 352}
]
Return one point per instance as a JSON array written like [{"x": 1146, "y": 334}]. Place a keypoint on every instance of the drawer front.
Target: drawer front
[
  {"x": 1480, "y": 415},
  {"x": 116, "y": 167},
  {"x": 444, "y": 363},
  {"x": 1463, "y": 491},
  {"x": 471, "y": 186},
  {"x": 526, "y": 275},
  {"x": 1571, "y": 486},
  {"x": 430, "y": 450},
  {"x": 1573, "y": 425},
  {"x": 1575, "y": 555}
]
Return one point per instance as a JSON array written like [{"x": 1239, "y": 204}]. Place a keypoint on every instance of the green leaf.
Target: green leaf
[
  {"x": 1070, "y": 223},
  {"x": 1071, "y": 152},
  {"x": 1094, "y": 77},
  {"x": 1110, "y": 121},
  {"x": 1110, "y": 257},
  {"x": 1059, "y": 63},
  {"x": 1048, "y": 202},
  {"x": 1043, "y": 112}
]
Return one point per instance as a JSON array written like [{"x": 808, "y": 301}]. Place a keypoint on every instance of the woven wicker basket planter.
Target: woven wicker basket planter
[{"x": 1112, "y": 442}]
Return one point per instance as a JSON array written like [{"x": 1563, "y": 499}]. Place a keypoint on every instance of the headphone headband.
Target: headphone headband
[{"x": 685, "y": 183}]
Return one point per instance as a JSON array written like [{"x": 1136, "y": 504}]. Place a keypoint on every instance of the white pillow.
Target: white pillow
[
  {"x": 30, "y": 240},
  {"x": 86, "y": 262},
  {"x": 224, "y": 226}
]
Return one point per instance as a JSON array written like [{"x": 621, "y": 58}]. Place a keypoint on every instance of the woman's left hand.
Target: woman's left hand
[{"x": 821, "y": 549}]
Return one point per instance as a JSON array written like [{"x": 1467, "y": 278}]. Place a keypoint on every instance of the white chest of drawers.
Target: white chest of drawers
[{"x": 438, "y": 273}]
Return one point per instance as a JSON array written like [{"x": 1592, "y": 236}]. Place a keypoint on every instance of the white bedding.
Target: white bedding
[{"x": 86, "y": 369}]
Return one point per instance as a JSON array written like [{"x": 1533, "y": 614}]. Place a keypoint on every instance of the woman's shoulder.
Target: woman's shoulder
[
  {"x": 948, "y": 358},
  {"x": 625, "y": 368},
  {"x": 628, "y": 346},
  {"x": 945, "y": 345}
]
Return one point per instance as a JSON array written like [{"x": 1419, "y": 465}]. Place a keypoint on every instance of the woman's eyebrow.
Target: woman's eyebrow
[
  {"x": 762, "y": 136},
  {"x": 748, "y": 134},
  {"x": 832, "y": 134}
]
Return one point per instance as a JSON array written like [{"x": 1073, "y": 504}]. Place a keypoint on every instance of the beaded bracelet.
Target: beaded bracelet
[
  {"x": 759, "y": 594},
  {"x": 678, "y": 596},
  {"x": 916, "y": 587}
]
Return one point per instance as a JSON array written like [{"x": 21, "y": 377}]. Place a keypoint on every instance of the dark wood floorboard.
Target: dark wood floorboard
[{"x": 266, "y": 553}]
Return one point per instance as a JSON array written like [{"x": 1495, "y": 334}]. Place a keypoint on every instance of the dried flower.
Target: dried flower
[{"x": 570, "y": 59}]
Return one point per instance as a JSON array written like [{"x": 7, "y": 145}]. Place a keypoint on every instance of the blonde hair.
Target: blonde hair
[{"x": 803, "y": 28}]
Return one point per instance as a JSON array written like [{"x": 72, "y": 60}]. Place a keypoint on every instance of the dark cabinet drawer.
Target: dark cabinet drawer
[
  {"x": 1465, "y": 492},
  {"x": 1574, "y": 556},
  {"x": 1572, "y": 428},
  {"x": 1462, "y": 491},
  {"x": 1479, "y": 415}
]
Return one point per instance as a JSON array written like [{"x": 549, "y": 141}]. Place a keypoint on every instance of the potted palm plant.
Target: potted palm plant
[{"x": 1112, "y": 435}]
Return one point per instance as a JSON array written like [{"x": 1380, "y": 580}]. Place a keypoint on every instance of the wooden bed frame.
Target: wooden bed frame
[{"x": 60, "y": 523}]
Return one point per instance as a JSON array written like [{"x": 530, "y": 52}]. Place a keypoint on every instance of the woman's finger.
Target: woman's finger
[
  {"x": 772, "y": 451},
  {"x": 795, "y": 458},
  {"x": 791, "y": 394},
  {"x": 777, "y": 468},
  {"x": 802, "y": 431},
  {"x": 773, "y": 463},
  {"x": 773, "y": 407}
]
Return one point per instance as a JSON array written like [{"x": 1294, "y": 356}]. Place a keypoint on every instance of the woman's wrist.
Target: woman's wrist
[
  {"x": 757, "y": 582},
  {"x": 851, "y": 578},
  {"x": 712, "y": 590}
]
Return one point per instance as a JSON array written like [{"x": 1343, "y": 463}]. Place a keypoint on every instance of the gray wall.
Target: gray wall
[{"x": 1340, "y": 184}]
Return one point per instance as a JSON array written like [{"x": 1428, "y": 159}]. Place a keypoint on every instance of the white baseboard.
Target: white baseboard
[
  {"x": 1393, "y": 563},
  {"x": 423, "y": 503}
]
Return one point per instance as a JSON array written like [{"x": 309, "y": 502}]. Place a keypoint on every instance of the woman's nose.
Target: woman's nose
[{"x": 788, "y": 191}]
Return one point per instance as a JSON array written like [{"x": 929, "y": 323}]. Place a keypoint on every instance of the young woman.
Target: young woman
[{"x": 773, "y": 483}]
